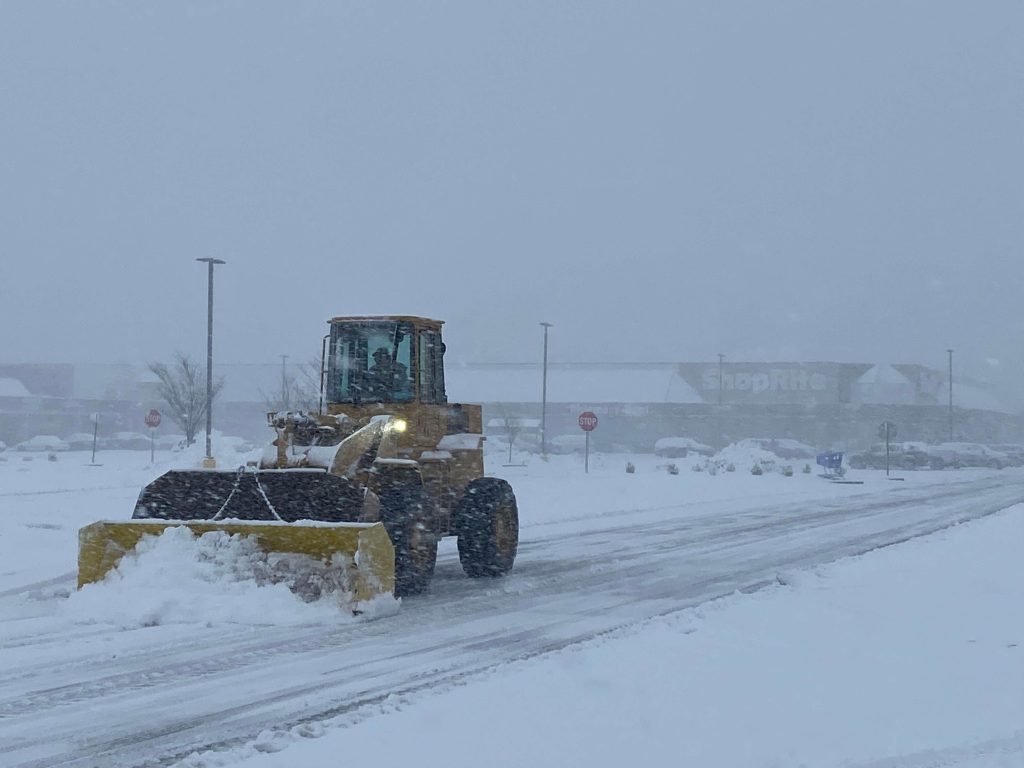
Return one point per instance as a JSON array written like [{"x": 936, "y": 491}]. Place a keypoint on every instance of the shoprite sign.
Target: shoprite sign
[{"x": 780, "y": 383}]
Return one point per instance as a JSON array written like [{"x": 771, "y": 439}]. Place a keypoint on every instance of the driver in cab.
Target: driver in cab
[{"x": 387, "y": 377}]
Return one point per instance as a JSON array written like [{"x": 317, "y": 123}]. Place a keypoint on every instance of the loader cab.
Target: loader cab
[{"x": 388, "y": 360}]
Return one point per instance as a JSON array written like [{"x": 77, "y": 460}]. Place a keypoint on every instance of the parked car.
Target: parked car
[
  {"x": 42, "y": 443},
  {"x": 679, "y": 447},
  {"x": 126, "y": 441},
  {"x": 784, "y": 447},
  {"x": 562, "y": 444},
  {"x": 169, "y": 441},
  {"x": 901, "y": 456},
  {"x": 79, "y": 441},
  {"x": 239, "y": 444},
  {"x": 1014, "y": 452},
  {"x": 971, "y": 455},
  {"x": 933, "y": 458}
]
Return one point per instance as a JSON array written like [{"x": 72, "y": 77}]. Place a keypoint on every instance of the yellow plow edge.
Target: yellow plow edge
[{"x": 369, "y": 551}]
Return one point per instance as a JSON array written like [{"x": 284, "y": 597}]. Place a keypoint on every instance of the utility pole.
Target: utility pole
[
  {"x": 544, "y": 397},
  {"x": 950, "y": 351},
  {"x": 718, "y": 412},
  {"x": 721, "y": 357},
  {"x": 285, "y": 394},
  {"x": 208, "y": 461}
]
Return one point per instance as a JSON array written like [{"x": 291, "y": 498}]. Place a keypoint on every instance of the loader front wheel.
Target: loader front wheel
[
  {"x": 405, "y": 510},
  {"x": 487, "y": 523}
]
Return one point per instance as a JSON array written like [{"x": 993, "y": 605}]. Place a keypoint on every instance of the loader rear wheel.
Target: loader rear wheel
[
  {"x": 406, "y": 511},
  {"x": 487, "y": 522}
]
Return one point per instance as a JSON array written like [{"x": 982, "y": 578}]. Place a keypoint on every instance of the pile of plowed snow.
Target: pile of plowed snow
[
  {"x": 743, "y": 457},
  {"x": 217, "y": 578}
]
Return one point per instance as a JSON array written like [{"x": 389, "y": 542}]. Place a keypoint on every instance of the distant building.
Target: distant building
[{"x": 829, "y": 405}]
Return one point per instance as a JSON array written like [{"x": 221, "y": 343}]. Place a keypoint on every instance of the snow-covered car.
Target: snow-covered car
[
  {"x": 784, "y": 448},
  {"x": 169, "y": 441},
  {"x": 79, "y": 441},
  {"x": 971, "y": 455},
  {"x": 525, "y": 436},
  {"x": 239, "y": 444},
  {"x": 1013, "y": 451},
  {"x": 909, "y": 455},
  {"x": 561, "y": 444},
  {"x": 679, "y": 447},
  {"x": 528, "y": 442},
  {"x": 42, "y": 443},
  {"x": 126, "y": 441},
  {"x": 925, "y": 455}
]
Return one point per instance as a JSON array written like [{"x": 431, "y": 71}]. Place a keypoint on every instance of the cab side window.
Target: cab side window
[{"x": 431, "y": 368}]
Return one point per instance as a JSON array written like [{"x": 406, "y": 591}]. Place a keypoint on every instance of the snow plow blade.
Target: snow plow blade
[
  {"x": 284, "y": 495},
  {"x": 366, "y": 550}
]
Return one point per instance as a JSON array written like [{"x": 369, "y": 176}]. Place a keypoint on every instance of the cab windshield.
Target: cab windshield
[{"x": 370, "y": 363}]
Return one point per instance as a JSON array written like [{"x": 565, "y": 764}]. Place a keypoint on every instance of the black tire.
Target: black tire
[
  {"x": 487, "y": 524},
  {"x": 406, "y": 511}
]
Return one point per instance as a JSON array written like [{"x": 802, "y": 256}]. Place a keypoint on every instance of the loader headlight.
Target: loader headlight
[{"x": 399, "y": 425}]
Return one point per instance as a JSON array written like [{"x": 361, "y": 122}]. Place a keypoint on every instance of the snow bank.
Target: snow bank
[
  {"x": 230, "y": 452},
  {"x": 217, "y": 578}
]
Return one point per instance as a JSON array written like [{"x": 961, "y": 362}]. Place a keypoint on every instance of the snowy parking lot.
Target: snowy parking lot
[{"x": 722, "y": 620}]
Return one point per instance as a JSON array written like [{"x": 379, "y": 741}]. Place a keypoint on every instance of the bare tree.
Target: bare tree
[
  {"x": 299, "y": 391},
  {"x": 183, "y": 388},
  {"x": 513, "y": 426}
]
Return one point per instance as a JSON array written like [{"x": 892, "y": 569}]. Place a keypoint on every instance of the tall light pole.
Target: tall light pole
[
  {"x": 721, "y": 357},
  {"x": 286, "y": 400},
  {"x": 950, "y": 351},
  {"x": 544, "y": 397},
  {"x": 208, "y": 461}
]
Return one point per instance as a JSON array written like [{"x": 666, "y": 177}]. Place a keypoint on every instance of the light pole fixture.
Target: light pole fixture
[
  {"x": 721, "y": 357},
  {"x": 208, "y": 461},
  {"x": 950, "y": 351},
  {"x": 544, "y": 396}
]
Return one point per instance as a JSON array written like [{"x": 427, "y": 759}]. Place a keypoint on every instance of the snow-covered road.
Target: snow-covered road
[{"x": 80, "y": 694}]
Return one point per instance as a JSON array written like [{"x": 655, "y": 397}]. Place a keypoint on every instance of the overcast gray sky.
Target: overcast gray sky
[{"x": 662, "y": 181}]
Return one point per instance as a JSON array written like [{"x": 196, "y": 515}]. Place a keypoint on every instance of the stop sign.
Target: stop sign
[
  {"x": 153, "y": 418},
  {"x": 588, "y": 421}
]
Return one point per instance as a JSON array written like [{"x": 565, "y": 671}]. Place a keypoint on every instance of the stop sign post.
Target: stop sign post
[
  {"x": 588, "y": 423},
  {"x": 152, "y": 421}
]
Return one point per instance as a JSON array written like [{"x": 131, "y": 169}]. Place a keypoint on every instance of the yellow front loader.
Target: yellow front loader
[{"x": 369, "y": 483}]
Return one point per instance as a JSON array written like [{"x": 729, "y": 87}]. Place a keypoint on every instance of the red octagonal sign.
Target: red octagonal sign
[
  {"x": 153, "y": 418},
  {"x": 588, "y": 421}
]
